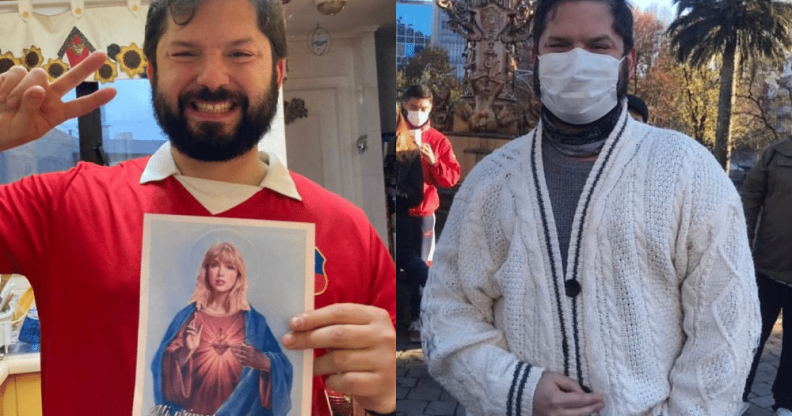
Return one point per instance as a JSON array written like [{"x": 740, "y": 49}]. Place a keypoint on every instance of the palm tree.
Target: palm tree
[{"x": 741, "y": 32}]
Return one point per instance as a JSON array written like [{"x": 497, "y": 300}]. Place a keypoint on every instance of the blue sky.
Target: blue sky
[{"x": 420, "y": 16}]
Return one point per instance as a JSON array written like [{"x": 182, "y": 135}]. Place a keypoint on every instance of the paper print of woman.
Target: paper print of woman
[{"x": 218, "y": 356}]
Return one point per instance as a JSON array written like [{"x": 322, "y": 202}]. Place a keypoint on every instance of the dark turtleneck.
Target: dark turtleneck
[
  {"x": 578, "y": 140},
  {"x": 568, "y": 157}
]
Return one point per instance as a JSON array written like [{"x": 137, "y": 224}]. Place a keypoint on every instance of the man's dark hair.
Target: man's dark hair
[
  {"x": 622, "y": 20},
  {"x": 418, "y": 91},
  {"x": 622, "y": 25},
  {"x": 270, "y": 23},
  {"x": 635, "y": 103}
]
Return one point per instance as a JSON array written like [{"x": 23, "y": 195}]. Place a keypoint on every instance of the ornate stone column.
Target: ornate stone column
[{"x": 494, "y": 101}]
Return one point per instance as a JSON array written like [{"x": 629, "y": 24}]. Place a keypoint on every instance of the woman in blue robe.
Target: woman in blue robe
[{"x": 218, "y": 356}]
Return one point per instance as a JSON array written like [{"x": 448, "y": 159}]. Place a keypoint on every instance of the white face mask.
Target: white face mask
[
  {"x": 417, "y": 118},
  {"x": 578, "y": 86}
]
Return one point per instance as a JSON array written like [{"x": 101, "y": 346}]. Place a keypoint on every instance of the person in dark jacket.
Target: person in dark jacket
[
  {"x": 767, "y": 199},
  {"x": 637, "y": 108},
  {"x": 439, "y": 166},
  {"x": 409, "y": 194}
]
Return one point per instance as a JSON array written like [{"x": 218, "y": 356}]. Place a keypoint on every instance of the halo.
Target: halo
[{"x": 227, "y": 235}]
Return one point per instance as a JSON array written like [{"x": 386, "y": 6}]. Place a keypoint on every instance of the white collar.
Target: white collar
[{"x": 161, "y": 165}]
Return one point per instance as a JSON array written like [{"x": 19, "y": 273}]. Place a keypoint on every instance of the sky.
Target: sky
[{"x": 420, "y": 16}]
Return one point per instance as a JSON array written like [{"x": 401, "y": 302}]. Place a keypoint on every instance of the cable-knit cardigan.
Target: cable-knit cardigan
[{"x": 658, "y": 308}]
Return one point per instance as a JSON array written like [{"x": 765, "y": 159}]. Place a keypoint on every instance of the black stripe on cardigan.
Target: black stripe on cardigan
[
  {"x": 522, "y": 389},
  {"x": 578, "y": 243},
  {"x": 556, "y": 290},
  {"x": 513, "y": 387}
]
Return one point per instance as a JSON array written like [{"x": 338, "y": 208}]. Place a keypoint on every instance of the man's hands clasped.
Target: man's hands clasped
[{"x": 558, "y": 395}]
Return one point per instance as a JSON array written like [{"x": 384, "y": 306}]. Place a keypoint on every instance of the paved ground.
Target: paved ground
[{"x": 419, "y": 394}]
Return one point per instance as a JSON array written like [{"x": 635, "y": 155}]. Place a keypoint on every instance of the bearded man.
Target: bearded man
[
  {"x": 597, "y": 264},
  {"x": 215, "y": 68}
]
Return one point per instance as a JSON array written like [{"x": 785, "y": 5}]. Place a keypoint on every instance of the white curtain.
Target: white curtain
[{"x": 57, "y": 34}]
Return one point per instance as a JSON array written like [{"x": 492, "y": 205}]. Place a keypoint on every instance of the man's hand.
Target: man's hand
[
  {"x": 558, "y": 395},
  {"x": 361, "y": 351},
  {"x": 30, "y": 106}
]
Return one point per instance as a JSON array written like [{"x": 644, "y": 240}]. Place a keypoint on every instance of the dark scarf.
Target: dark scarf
[{"x": 586, "y": 140}]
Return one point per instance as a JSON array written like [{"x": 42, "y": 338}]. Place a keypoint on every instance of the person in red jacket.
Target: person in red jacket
[{"x": 440, "y": 168}]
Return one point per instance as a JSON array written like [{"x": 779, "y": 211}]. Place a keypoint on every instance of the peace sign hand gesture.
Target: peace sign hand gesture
[{"x": 30, "y": 106}]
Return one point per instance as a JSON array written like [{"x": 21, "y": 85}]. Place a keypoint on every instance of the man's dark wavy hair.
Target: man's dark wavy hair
[
  {"x": 270, "y": 23},
  {"x": 622, "y": 20},
  {"x": 419, "y": 91}
]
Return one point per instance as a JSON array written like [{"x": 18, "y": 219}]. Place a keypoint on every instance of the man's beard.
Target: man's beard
[{"x": 210, "y": 143}]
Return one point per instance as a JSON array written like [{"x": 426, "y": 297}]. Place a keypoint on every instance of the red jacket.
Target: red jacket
[{"x": 445, "y": 172}]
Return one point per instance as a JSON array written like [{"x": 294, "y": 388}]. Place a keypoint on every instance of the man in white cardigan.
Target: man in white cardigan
[{"x": 597, "y": 265}]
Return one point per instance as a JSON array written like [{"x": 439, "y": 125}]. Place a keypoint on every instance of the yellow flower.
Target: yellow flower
[
  {"x": 107, "y": 72},
  {"x": 55, "y": 68},
  {"x": 7, "y": 60},
  {"x": 32, "y": 57},
  {"x": 132, "y": 60}
]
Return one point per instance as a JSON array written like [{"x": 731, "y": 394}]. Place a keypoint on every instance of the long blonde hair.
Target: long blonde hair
[
  {"x": 406, "y": 148},
  {"x": 223, "y": 252}
]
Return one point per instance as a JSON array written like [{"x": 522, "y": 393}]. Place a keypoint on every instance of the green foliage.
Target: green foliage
[
  {"x": 679, "y": 96},
  {"x": 432, "y": 67},
  {"x": 698, "y": 101},
  {"x": 704, "y": 28},
  {"x": 762, "y": 107},
  {"x": 430, "y": 63},
  {"x": 739, "y": 33}
]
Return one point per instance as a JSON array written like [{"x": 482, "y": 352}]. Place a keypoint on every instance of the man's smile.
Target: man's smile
[{"x": 213, "y": 107}]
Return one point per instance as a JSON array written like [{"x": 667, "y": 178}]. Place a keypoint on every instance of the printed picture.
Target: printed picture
[{"x": 216, "y": 296}]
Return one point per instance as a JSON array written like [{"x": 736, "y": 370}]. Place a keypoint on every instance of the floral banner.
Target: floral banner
[{"x": 58, "y": 42}]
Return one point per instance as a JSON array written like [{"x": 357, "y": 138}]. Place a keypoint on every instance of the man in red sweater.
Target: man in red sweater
[
  {"x": 440, "y": 168},
  {"x": 215, "y": 67}
]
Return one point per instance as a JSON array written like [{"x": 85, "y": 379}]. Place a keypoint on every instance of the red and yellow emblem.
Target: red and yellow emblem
[
  {"x": 75, "y": 47},
  {"x": 320, "y": 275}
]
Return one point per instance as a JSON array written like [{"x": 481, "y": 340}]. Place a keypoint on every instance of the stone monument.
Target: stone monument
[{"x": 497, "y": 99}]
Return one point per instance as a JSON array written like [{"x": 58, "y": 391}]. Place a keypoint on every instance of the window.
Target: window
[
  {"x": 57, "y": 150},
  {"x": 128, "y": 130}
]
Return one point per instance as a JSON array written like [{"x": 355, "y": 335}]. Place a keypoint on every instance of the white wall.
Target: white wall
[{"x": 349, "y": 70}]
